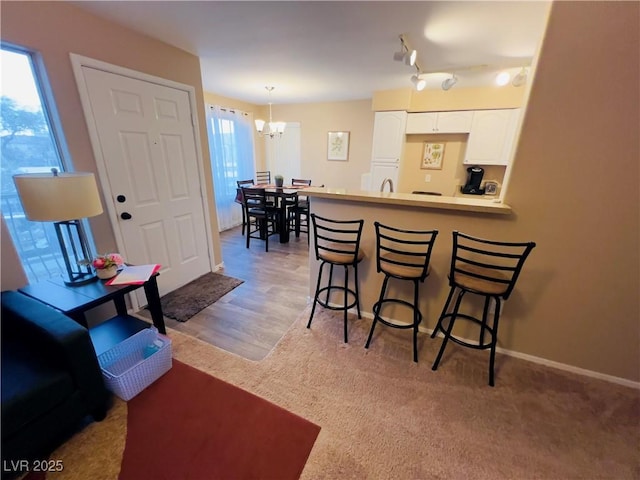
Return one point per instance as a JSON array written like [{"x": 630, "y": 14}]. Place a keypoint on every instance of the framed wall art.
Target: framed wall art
[
  {"x": 338, "y": 146},
  {"x": 432, "y": 156}
]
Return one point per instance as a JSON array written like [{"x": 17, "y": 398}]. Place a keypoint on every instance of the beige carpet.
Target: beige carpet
[{"x": 384, "y": 417}]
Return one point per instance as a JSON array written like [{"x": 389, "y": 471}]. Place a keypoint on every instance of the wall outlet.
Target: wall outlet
[{"x": 427, "y": 178}]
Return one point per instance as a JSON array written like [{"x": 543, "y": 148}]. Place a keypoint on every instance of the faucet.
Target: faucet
[{"x": 384, "y": 182}]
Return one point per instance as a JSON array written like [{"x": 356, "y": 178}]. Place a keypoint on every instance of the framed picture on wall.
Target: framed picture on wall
[
  {"x": 338, "y": 146},
  {"x": 432, "y": 156}
]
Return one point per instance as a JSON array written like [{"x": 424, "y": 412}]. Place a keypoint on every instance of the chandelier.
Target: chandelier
[{"x": 274, "y": 129}]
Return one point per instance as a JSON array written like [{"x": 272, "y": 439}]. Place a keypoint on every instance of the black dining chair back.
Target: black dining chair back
[
  {"x": 238, "y": 199},
  {"x": 261, "y": 217},
  {"x": 263, "y": 177},
  {"x": 298, "y": 211},
  {"x": 486, "y": 268}
]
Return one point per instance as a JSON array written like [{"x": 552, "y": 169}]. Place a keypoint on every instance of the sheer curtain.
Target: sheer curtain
[{"x": 232, "y": 159}]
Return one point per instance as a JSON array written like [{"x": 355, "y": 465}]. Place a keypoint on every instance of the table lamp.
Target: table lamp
[{"x": 63, "y": 198}]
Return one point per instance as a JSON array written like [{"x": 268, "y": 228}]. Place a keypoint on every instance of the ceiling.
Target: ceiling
[{"x": 336, "y": 50}]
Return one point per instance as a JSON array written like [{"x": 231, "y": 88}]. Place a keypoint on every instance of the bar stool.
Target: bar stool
[
  {"x": 403, "y": 255},
  {"x": 337, "y": 243},
  {"x": 488, "y": 269}
]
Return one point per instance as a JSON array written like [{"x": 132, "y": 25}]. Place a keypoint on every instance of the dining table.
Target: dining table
[{"x": 283, "y": 197}]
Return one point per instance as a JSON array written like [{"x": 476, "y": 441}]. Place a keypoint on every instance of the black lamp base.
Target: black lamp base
[
  {"x": 75, "y": 253},
  {"x": 81, "y": 280}
]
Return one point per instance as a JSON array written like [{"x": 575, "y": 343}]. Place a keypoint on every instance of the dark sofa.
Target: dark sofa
[{"x": 51, "y": 379}]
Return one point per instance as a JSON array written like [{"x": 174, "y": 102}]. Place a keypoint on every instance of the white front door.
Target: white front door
[{"x": 146, "y": 140}]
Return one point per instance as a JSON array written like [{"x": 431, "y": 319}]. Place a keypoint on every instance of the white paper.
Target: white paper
[{"x": 134, "y": 274}]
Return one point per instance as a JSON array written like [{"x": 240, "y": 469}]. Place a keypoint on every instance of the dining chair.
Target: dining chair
[
  {"x": 337, "y": 243},
  {"x": 259, "y": 215},
  {"x": 298, "y": 211},
  {"x": 401, "y": 255},
  {"x": 238, "y": 199},
  {"x": 263, "y": 177},
  {"x": 488, "y": 269}
]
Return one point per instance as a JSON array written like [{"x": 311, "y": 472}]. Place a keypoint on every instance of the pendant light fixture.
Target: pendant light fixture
[{"x": 274, "y": 129}]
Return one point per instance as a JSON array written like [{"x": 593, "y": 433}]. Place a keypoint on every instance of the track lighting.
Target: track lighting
[
  {"x": 449, "y": 82},
  {"x": 521, "y": 78},
  {"x": 406, "y": 54}
]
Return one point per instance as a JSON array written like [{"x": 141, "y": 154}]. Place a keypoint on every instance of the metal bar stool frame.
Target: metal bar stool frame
[
  {"x": 486, "y": 268},
  {"x": 337, "y": 243},
  {"x": 404, "y": 255}
]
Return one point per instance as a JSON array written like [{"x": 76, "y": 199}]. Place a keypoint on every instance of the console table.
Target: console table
[{"x": 77, "y": 300}]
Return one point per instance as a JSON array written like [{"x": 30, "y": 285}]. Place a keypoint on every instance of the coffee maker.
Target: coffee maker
[{"x": 474, "y": 179}]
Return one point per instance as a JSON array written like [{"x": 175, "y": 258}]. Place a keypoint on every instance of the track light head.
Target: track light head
[
  {"x": 419, "y": 82},
  {"x": 410, "y": 57},
  {"x": 520, "y": 79},
  {"x": 449, "y": 82},
  {"x": 406, "y": 54}
]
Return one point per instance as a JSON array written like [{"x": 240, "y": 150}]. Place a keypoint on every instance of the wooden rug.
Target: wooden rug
[
  {"x": 190, "y": 425},
  {"x": 184, "y": 302}
]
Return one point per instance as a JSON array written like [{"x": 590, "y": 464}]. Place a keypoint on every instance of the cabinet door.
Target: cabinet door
[
  {"x": 454, "y": 122},
  {"x": 388, "y": 136},
  {"x": 491, "y": 137},
  {"x": 380, "y": 171},
  {"x": 422, "y": 122}
]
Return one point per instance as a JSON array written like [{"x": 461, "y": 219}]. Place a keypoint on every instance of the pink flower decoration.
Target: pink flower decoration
[{"x": 107, "y": 261}]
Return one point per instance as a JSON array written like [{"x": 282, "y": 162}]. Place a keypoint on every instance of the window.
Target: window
[
  {"x": 231, "y": 147},
  {"x": 27, "y": 145}
]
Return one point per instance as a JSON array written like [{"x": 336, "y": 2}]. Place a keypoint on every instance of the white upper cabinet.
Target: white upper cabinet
[
  {"x": 440, "y": 122},
  {"x": 492, "y": 136},
  {"x": 388, "y": 136}
]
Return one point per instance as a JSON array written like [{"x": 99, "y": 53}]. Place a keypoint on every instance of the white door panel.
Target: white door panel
[{"x": 147, "y": 142}]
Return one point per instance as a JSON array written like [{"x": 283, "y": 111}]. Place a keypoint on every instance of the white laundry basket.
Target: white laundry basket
[{"x": 135, "y": 363}]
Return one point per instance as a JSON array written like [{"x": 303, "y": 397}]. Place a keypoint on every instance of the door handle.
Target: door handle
[{"x": 125, "y": 216}]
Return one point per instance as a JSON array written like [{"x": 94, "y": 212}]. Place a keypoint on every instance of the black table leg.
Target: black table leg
[
  {"x": 154, "y": 305},
  {"x": 121, "y": 306}
]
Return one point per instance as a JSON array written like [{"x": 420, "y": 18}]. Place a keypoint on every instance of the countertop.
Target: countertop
[{"x": 411, "y": 200}]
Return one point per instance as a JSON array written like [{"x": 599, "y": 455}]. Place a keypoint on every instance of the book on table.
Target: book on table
[{"x": 134, "y": 274}]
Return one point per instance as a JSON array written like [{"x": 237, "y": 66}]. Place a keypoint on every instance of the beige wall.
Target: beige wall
[
  {"x": 574, "y": 191},
  {"x": 580, "y": 205},
  {"x": 316, "y": 120},
  {"x": 55, "y": 29}
]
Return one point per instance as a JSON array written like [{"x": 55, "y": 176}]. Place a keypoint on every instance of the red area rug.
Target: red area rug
[{"x": 190, "y": 425}]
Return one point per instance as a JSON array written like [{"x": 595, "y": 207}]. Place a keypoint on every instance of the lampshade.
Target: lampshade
[{"x": 58, "y": 197}]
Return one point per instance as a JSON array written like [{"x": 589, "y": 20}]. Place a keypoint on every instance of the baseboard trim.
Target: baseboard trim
[{"x": 532, "y": 358}]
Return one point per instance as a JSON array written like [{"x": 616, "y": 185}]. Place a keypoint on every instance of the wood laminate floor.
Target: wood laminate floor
[{"x": 251, "y": 319}]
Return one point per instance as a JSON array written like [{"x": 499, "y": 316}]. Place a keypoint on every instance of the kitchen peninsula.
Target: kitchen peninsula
[{"x": 475, "y": 216}]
